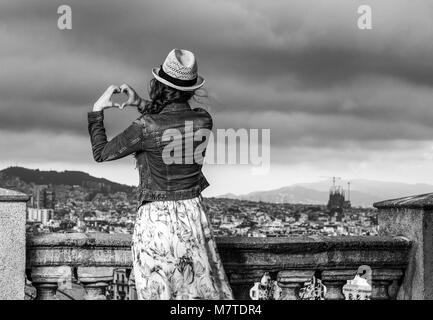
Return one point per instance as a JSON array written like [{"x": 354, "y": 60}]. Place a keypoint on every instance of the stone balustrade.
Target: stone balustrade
[
  {"x": 92, "y": 258},
  {"x": 334, "y": 260},
  {"x": 400, "y": 258}
]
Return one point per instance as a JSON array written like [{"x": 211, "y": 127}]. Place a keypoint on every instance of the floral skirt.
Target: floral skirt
[{"x": 174, "y": 253}]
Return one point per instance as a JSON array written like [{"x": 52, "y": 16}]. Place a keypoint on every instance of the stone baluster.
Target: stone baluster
[
  {"x": 95, "y": 281},
  {"x": 393, "y": 288},
  {"x": 132, "y": 288},
  {"x": 334, "y": 280},
  {"x": 385, "y": 283},
  {"x": 242, "y": 281},
  {"x": 46, "y": 280},
  {"x": 291, "y": 281},
  {"x": 380, "y": 290}
]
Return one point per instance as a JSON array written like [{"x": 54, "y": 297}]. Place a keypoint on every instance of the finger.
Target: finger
[
  {"x": 111, "y": 104},
  {"x": 129, "y": 92},
  {"x": 126, "y": 104},
  {"x": 125, "y": 88},
  {"x": 131, "y": 100},
  {"x": 115, "y": 89},
  {"x": 112, "y": 90}
]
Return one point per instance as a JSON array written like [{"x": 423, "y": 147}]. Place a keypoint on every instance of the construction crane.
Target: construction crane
[
  {"x": 348, "y": 191},
  {"x": 334, "y": 178}
]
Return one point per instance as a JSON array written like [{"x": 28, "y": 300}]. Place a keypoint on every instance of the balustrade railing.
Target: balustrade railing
[
  {"x": 400, "y": 259},
  {"x": 90, "y": 260}
]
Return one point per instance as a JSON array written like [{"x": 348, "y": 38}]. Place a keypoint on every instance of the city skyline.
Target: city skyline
[{"x": 338, "y": 100}]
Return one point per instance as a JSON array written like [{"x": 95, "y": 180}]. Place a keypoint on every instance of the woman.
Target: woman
[{"x": 174, "y": 253}]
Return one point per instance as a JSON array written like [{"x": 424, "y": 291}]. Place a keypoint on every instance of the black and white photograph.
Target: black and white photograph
[{"x": 239, "y": 150}]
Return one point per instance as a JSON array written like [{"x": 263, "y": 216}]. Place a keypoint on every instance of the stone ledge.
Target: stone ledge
[
  {"x": 12, "y": 196},
  {"x": 292, "y": 244},
  {"x": 79, "y": 240},
  {"x": 318, "y": 253},
  {"x": 314, "y": 243},
  {"x": 422, "y": 201},
  {"x": 238, "y": 254}
]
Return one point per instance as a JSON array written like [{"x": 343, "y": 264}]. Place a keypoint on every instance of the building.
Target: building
[
  {"x": 337, "y": 200},
  {"x": 41, "y": 205},
  {"x": 40, "y": 215},
  {"x": 43, "y": 197},
  {"x": 122, "y": 286}
]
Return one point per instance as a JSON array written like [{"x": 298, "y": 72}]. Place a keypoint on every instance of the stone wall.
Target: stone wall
[
  {"x": 12, "y": 244},
  {"x": 412, "y": 217}
]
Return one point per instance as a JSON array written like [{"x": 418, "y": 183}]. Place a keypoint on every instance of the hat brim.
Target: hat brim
[{"x": 199, "y": 84}]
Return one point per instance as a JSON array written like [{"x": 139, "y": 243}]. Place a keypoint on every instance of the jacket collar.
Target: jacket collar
[{"x": 176, "y": 107}]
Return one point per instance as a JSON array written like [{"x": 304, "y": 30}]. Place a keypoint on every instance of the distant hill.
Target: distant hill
[
  {"x": 290, "y": 194},
  {"x": 363, "y": 192},
  {"x": 72, "y": 178},
  {"x": 380, "y": 189},
  {"x": 301, "y": 195}
]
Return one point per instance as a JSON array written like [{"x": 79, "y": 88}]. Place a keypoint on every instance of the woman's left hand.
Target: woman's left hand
[{"x": 104, "y": 100}]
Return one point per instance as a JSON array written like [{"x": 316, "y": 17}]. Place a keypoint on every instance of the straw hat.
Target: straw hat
[{"x": 179, "y": 71}]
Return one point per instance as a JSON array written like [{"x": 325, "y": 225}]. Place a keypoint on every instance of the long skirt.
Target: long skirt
[{"x": 174, "y": 253}]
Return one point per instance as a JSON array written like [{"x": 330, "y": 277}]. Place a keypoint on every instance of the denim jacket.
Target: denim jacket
[{"x": 152, "y": 138}]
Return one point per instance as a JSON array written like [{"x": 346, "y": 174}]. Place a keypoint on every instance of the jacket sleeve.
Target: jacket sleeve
[{"x": 125, "y": 143}]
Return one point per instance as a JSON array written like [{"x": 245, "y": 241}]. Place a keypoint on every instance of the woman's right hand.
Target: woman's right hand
[
  {"x": 134, "y": 100},
  {"x": 105, "y": 102}
]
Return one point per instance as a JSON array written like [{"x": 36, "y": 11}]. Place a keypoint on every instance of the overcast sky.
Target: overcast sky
[{"x": 338, "y": 100}]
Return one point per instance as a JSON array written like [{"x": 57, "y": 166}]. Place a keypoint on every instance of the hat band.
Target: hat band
[{"x": 175, "y": 81}]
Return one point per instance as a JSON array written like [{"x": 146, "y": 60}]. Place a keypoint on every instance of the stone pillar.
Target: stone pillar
[
  {"x": 242, "y": 281},
  {"x": 95, "y": 280},
  {"x": 291, "y": 282},
  {"x": 12, "y": 244},
  {"x": 132, "y": 287},
  {"x": 385, "y": 284},
  {"x": 46, "y": 280},
  {"x": 411, "y": 217},
  {"x": 334, "y": 280}
]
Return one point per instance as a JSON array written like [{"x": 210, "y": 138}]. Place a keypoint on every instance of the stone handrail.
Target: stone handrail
[
  {"x": 400, "y": 258},
  {"x": 291, "y": 261},
  {"x": 334, "y": 259}
]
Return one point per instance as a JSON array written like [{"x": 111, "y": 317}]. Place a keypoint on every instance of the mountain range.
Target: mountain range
[
  {"x": 363, "y": 192},
  {"x": 22, "y": 179}
]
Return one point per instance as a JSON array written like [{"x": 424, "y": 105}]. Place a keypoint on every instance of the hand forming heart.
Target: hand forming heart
[
  {"x": 104, "y": 102},
  {"x": 134, "y": 99}
]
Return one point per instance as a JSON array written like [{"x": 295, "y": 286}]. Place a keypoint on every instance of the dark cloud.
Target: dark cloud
[{"x": 301, "y": 68}]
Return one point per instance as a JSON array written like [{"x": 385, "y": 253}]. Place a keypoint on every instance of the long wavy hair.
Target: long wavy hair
[{"x": 161, "y": 95}]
